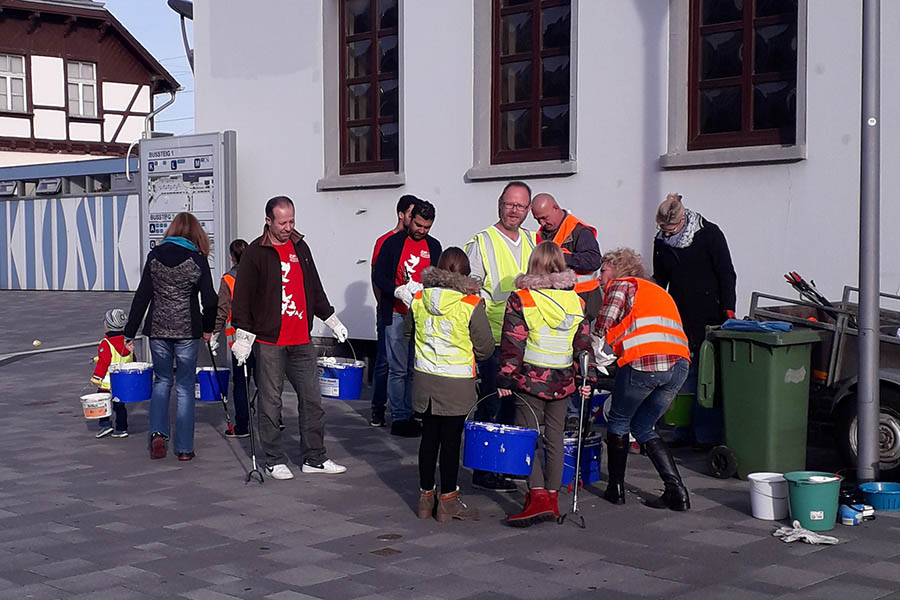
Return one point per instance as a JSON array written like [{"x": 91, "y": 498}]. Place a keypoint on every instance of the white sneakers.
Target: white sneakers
[
  {"x": 279, "y": 472},
  {"x": 328, "y": 467}
]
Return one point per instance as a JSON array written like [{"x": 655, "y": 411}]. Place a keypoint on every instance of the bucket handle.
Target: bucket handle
[
  {"x": 537, "y": 423},
  {"x": 352, "y": 351}
]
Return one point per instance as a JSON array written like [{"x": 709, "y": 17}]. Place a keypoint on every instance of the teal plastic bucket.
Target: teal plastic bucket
[{"x": 813, "y": 497}]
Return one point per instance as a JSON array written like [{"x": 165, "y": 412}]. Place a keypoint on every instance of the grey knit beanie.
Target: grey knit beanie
[{"x": 115, "y": 319}]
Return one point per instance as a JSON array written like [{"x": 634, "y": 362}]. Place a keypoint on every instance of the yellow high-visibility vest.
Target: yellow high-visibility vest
[
  {"x": 501, "y": 271},
  {"x": 552, "y": 317},
  {"x": 442, "y": 342},
  {"x": 115, "y": 358}
]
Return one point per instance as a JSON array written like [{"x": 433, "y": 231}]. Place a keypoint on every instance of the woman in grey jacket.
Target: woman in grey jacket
[{"x": 176, "y": 271}]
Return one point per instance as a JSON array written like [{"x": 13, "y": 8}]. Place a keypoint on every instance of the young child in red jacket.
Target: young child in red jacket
[{"x": 112, "y": 350}]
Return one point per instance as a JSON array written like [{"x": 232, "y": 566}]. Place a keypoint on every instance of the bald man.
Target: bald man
[{"x": 578, "y": 241}]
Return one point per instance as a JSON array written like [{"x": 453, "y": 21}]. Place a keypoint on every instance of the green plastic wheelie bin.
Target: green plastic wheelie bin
[{"x": 763, "y": 383}]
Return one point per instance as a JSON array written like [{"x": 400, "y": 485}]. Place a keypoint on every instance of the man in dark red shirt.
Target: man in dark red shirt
[
  {"x": 397, "y": 274},
  {"x": 380, "y": 370}
]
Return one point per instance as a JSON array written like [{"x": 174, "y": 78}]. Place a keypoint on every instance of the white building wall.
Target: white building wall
[
  {"x": 262, "y": 76},
  {"x": 48, "y": 81}
]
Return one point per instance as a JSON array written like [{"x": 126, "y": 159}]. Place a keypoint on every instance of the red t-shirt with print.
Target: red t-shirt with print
[
  {"x": 413, "y": 260},
  {"x": 294, "y": 328},
  {"x": 378, "y": 244}
]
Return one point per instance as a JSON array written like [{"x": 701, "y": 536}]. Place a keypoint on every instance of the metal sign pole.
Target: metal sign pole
[{"x": 868, "y": 404}]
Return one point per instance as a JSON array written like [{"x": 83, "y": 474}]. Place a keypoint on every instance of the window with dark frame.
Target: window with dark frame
[
  {"x": 743, "y": 73},
  {"x": 370, "y": 85},
  {"x": 530, "y": 96}
]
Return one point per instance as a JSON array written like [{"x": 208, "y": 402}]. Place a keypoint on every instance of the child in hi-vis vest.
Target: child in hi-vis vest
[{"x": 110, "y": 351}]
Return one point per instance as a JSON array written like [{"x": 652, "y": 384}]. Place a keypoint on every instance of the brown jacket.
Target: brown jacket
[
  {"x": 451, "y": 396},
  {"x": 257, "y": 290}
]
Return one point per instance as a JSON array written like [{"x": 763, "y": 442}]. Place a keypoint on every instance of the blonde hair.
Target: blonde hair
[
  {"x": 626, "y": 262},
  {"x": 545, "y": 259},
  {"x": 187, "y": 226},
  {"x": 670, "y": 211}
]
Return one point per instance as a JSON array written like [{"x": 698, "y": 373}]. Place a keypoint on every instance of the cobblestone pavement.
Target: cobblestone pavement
[{"x": 88, "y": 518}]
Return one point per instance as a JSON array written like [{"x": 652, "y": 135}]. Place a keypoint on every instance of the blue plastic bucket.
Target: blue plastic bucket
[
  {"x": 340, "y": 377},
  {"x": 207, "y": 390},
  {"x": 131, "y": 382},
  {"x": 499, "y": 448},
  {"x": 591, "y": 451},
  {"x": 598, "y": 401}
]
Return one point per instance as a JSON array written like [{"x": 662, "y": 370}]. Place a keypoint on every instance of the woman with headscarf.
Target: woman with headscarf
[
  {"x": 692, "y": 262},
  {"x": 175, "y": 274},
  {"x": 544, "y": 331}
]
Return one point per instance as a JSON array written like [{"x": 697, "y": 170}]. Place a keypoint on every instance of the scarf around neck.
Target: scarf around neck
[
  {"x": 693, "y": 222},
  {"x": 180, "y": 241}
]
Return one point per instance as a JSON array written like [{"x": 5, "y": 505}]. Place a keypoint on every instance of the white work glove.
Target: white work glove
[
  {"x": 414, "y": 287},
  {"x": 403, "y": 294},
  {"x": 338, "y": 328},
  {"x": 603, "y": 354},
  {"x": 243, "y": 345},
  {"x": 792, "y": 534},
  {"x": 214, "y": 344}
]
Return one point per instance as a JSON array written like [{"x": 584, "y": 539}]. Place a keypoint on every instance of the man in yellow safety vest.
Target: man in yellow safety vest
[{"x": 497, "y": 255}]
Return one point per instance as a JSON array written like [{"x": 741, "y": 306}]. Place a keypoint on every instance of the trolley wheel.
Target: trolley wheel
[{"x": 722, "y": 462}]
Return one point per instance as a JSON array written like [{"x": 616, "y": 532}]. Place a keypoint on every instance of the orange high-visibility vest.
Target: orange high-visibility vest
[
  {"x": 229, "y": 330},
  {"x": 653, "y": 326},
  {"x": 585, "y": 281}
]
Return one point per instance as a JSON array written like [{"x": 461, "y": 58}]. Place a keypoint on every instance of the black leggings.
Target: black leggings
[{"x": 442, "y": 435}]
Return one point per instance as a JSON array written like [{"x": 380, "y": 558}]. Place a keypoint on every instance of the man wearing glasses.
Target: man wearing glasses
[
  {"x": 496, "y": 256},
  {"x": 692, "y": 262}
]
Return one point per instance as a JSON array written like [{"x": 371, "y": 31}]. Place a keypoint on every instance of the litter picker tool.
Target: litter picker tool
[
  {"x": 255, "y": 470},
  {"x": 576, "y": 478},
  {"x": 222, "y": 395}
]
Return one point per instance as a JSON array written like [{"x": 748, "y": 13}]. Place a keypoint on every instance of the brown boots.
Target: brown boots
[
  {"x": 427, "y": 503},
  {"x": 449, "y": 507},
  {"x": 540, "y": 505}
]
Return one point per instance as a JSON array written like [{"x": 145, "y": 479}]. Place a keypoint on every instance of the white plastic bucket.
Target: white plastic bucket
[
  {"x": 96, "y": 406},
  {"x": 768, "y": 496}
]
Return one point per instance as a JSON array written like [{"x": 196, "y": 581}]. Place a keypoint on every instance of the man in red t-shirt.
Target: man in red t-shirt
[
  {"x": 397, "y": 274},
  {"x": 276, "y": 295},
  {"x": 380, "y": 370}
]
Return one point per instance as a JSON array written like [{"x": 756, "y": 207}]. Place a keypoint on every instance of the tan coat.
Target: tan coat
[{"x": 451, "y": 396}]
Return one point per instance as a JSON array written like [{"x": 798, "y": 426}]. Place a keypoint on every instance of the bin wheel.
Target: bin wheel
[{"x": 722, "y": 462}]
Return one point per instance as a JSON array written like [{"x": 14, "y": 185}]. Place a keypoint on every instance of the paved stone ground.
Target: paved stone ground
[{"x": 87, "y": 518}]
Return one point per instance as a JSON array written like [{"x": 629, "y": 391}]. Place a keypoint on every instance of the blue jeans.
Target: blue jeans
[
  {"x": 493, "y": 409},
  {"x": 380, "y": 373},
  {"x": 641, "y": 397},
  {"x": 239, "y": 393},
  {"x": 706, "y": 423},
  {"x": 399, "y": 359},
  {"x": 182, "y": 355}
]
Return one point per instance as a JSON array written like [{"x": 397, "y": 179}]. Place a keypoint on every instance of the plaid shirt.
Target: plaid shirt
[{"x": 617, "y": 302}]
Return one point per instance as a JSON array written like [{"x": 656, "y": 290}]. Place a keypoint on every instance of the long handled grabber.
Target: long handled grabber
[
  {"x": 576, "y": 477},
  {"x": 222, "y": 395},
  {"x": 255, "y": 469}
]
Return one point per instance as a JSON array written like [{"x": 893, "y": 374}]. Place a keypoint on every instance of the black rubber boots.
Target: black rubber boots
[
  {"x": 675, "y": 496},
  {"x": 616, "y": 459}
]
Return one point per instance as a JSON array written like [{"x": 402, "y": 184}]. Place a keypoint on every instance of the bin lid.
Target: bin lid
[{"x": 799, "y": 335}]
